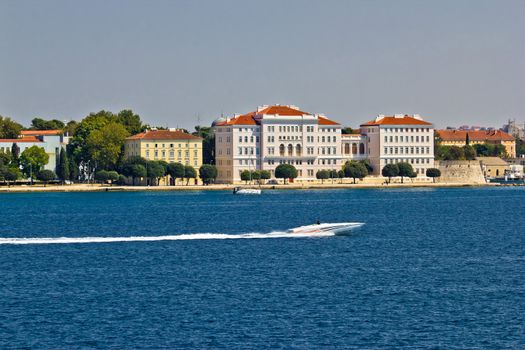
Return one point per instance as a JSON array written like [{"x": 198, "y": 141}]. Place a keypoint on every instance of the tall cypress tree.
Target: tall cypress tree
[
  {"x": 15, "y": 154},
  {"x": 63, "y": 166},
  {"x": 73, "y": 170}
]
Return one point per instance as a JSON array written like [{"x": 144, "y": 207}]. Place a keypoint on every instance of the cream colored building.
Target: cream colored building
[
  {"x": 171, "y": 146},
  {"x": 495, "y": 137}
]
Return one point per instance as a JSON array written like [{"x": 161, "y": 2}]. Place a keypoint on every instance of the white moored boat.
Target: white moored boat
[
  {"x": 239, "y": 190},
  {"x": 341, "y": 228}
]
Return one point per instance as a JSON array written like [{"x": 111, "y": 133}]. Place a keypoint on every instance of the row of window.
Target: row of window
[
  {"x": 406, "y": 138},
  {"x": 406, "y": 150},
  {"x": 406, "y": 129},
  {"x": 248, "y": 139},
  {"x": 248, "y": 150},
  {"x": 163, "y": 145},
  {"x": 411, "y": 161},
  {"x": 172, "y": 154}
]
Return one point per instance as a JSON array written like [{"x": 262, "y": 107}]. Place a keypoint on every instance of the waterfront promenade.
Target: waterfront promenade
[{"x": 222, "y": 187}]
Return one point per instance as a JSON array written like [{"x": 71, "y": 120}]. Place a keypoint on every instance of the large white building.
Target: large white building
[
  {"x": 273, "y": 135},
  {"x": 399, "y": 138}
]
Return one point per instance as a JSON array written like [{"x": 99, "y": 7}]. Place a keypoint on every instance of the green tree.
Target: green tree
[
  {"x": 41, "y": 124},
  {"x": 189, "y": 173},
  {"x": 5, "y": 158},
  {"x": 155, "y": 171},
  {"x": 208, "y": 173},
  {"x": 355, "y": 170},
  {"x": 9, "y": 175},
  {"x": 63, "y": 166},
  {"x": 246, "y": 175},
  {"x": 33, "y": 160},
  {"x": 113, "y": 176},
  {"x": 265, "y": 174},
  {"x": 176, "y": 171},
  {"x": 469, "y": 152},
  {"x": 347, "y": 130},
  {"x": 15, "y": 154},
  {"x": 454, "y": 153},
  {"x": 208, "y": 143},
  {"x": 121, "y": 180},
  {"x": 322, "y": 175},
  {"x": 405, "y": 170},
  {"x": 130, "y": 121},
  {"x": 105, "y": 145},
  {"x": 71, "y": 128},
  {"x": 45, "y": 176},
  {"x": 73, "y": 170},
  {"x": 102, "y": 176},
  {"x": 134, "y": 167},
  {"x": 285, "y": 171},
  {"x": 256, "y": 175},
  {"x": 433, "y": 173},
  {"x": 341, "y": 175},
  {"x": 9, "y": 129},
  {"x": 390, "y": 171}
]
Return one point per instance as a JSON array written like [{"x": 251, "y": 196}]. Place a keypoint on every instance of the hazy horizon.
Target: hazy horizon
[{"x": 177, "y": 62}]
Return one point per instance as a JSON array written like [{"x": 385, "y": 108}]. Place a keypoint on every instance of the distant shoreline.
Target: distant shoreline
[{"x": 107, "y": 188}]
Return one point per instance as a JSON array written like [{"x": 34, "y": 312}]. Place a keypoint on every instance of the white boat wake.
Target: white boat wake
[{"x": 293, "y": 233}]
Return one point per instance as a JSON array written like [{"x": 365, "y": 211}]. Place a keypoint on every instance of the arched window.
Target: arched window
[
  {"x": 497, "y": 172},
  {"x": 361, "y": 148},
  {"x": 347, "y": 148},
  {"x": 290, "y": 150},
  {"x": 281, "y": 150},
  {"x": 354, "y": 148},
  {"x": 298, "y": 150}
]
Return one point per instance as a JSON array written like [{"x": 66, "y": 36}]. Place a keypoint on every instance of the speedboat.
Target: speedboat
[
  {"x": 339, "y": 229},
  {"x": 239, "y": 190}
]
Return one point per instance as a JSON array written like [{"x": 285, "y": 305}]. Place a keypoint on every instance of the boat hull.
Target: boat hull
[{"x": 338, "y": 229}]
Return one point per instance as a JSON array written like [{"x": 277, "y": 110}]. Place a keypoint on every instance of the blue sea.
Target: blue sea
[{"x": 430, "y": 269}]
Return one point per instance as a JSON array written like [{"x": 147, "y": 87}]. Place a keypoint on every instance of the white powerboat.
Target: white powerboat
[
  {"x": 339, "y": 229},
  {"x": 239, "y": 190}
]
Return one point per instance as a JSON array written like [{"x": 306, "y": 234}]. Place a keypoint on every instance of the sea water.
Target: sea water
[{"x": 431, "y": 268}]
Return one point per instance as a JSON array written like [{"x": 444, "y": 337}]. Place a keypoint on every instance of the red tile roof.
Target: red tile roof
[
  {"x": 245, "y": 119},
  {"x": 474, "y": 135},
  {"x": 163, "y": 135},
  {"x": 41, "y": 132},
  {"x": 393, "y": 120},
  {"x": 249, "y": 118},
  {"x": 282, "y": 110},
  {"x": 22, "y": 139},
  {"x": 326, "y": 121}
]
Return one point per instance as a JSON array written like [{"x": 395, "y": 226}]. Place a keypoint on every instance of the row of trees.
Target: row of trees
[
  {"x": 404, "y": 169},
  {"x": 469, "y": 152}
]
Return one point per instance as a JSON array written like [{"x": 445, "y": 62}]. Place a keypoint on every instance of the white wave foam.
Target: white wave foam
[{"x": 183, "y": 237}]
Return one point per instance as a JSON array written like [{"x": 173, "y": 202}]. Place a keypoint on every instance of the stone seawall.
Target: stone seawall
[{"x": 460, "y": 171}]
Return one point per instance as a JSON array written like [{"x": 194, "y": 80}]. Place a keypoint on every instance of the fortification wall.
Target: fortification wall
[{"x": 460, "y": 171}]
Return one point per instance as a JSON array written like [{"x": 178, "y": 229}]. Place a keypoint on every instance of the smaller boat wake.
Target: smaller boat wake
[{"x": 321, "y": 230}]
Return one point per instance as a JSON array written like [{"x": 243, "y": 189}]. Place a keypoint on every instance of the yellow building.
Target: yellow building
[
  {"x": 171, "y": 146},
  {"x": 459, "y": 137}
]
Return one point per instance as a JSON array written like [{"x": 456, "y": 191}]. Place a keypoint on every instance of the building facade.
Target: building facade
[
  {"x": 167, "y": 145},
  {"x": 354, "y": 147},
  {"x": 496, "y": 137},
  {"x": 399, "y": 138},
  {"x": 273, "y": 135},
  {"x": 50, "y": 140}
]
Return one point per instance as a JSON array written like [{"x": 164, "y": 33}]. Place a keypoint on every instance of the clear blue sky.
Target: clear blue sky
[{"x": 454, "y": 62}]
